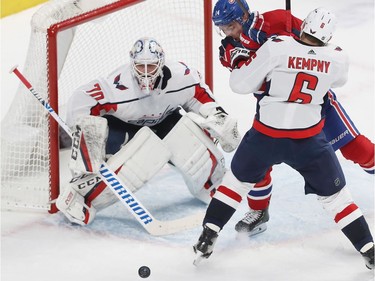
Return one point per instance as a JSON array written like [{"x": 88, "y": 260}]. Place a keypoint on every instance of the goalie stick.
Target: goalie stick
[
  {"x": 289, "y": 16},
  {"x": 126, "y": 197},
  {"x": 287, "y": 5}
]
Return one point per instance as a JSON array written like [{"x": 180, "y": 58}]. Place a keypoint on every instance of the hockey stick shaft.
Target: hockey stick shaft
[
  {"x": 289, "y": 16},
  {"x": 287, "y": 5},
  {"x": 127, "y": 198},
  {"x": 41, "y": 100}
]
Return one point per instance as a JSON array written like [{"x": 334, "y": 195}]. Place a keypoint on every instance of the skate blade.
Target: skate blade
[
  {"x": 259, "y": 229},
  {"x": 198, "y": 259}
]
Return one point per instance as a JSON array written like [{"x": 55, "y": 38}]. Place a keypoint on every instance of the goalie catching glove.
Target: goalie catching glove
[{"x": 219, "y": 125}]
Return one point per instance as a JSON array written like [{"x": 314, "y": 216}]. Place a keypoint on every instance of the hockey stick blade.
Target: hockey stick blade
[
  {"x": 160, "y": 228},
  {"x": 127, "y": 198}
]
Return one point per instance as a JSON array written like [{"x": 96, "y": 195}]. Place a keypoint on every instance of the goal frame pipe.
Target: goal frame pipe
[
  {"x": 208, "y": 43},
  {"x": 52, "y": 63}
]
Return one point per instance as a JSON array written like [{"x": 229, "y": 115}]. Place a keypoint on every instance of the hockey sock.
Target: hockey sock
[
  {"x": 260, "y": 195},
  {"x": 357, "y": 230},
  {"x": 218, "y": 213}
]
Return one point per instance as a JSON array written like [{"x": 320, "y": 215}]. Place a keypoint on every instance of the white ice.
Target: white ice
[{"x": 302, "y": 242}]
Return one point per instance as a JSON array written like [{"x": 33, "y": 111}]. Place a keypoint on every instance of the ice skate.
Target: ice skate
[
  {"x": 369, "y": 257},
  {"x": 254, "y": 222},
  {"x": 204, "y": 247}
]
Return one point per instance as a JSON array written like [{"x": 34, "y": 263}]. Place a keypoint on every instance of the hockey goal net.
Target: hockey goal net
[{"x": 71, "y": 43}]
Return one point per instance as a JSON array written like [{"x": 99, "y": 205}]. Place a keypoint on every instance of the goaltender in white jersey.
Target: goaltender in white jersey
[
  {"x": 120, "y": 95},
  {"x": 132, "y": 120}
]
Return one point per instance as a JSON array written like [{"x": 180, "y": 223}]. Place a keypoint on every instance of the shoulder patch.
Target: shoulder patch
[
  {"x": 187, "y": 69},
  {"x": 119, "y": 86},
  {"x": 276, "y": 39}
]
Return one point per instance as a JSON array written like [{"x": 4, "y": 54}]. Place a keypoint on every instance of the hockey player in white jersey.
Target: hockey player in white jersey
[
  {"x": 244, "y": 34},
  {"x": 132, "y": 120},
  {"x": 288, "y": 128}
]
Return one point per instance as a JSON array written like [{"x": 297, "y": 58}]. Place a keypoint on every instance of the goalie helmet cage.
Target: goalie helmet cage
[{"x": 72, "y": 43}]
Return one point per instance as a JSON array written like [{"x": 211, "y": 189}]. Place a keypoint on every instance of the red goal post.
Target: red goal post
[{"x": 73, "y": 42}]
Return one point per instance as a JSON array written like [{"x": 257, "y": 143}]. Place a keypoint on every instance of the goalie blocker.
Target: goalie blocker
[{"x": 187, "y": 147}]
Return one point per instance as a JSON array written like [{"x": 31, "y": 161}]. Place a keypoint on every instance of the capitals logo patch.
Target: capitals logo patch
[{"x": 118, "y": 84}]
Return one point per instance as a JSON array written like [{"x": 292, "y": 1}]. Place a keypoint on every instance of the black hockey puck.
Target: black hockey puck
[{"x": 144, "y": 271}]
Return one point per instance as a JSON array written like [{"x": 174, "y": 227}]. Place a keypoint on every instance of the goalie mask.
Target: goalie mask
[
  {"x": 320, "y": 24},
  {"x": 147, "y": 61}
]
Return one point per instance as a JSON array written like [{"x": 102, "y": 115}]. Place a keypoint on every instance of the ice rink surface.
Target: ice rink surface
[{"x": 302, "y": 243}]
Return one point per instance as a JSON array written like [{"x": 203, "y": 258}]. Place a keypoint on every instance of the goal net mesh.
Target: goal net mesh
[{"x": 91, "y": 48}]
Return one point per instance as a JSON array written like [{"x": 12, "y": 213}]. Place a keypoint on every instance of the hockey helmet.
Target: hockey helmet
[
  {"x": 226, "y": 11},
  {"x": 147, "y": 60},
  {"x": 319, "y": 23}
]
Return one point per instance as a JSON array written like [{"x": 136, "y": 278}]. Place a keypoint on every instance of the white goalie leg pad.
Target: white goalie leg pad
[
  {"x": 196, "y": 157},
  {"x": 135, "y": 163},
  {"x": 88, "y": 144},
  {"x": 140, "y": 159}
]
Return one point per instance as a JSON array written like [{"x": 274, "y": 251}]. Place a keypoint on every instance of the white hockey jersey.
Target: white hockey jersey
[
  {"x": 298, "y": 77},
  {"x": 119, "y": 95}
]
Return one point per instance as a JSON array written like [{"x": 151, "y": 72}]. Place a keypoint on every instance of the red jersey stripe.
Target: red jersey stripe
[{"x": 293, "y": 134}]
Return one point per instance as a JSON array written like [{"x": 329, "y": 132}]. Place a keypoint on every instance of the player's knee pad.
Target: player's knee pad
[
  {"x": 140, "y": 159},
  {"x": 341, "y": 206},
  {"x": 231, "y": 190},
  {"x": 195, "y": 155},
  {"x": 337, "y": 202},
  {"x": 361, "y": 151}
]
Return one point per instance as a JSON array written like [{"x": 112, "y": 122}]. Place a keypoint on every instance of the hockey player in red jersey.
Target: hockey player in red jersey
[
  {"x": 287, "y": 128},
  {"x": 131, "y": 119},
  {"x": 245, "y": 33}
]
